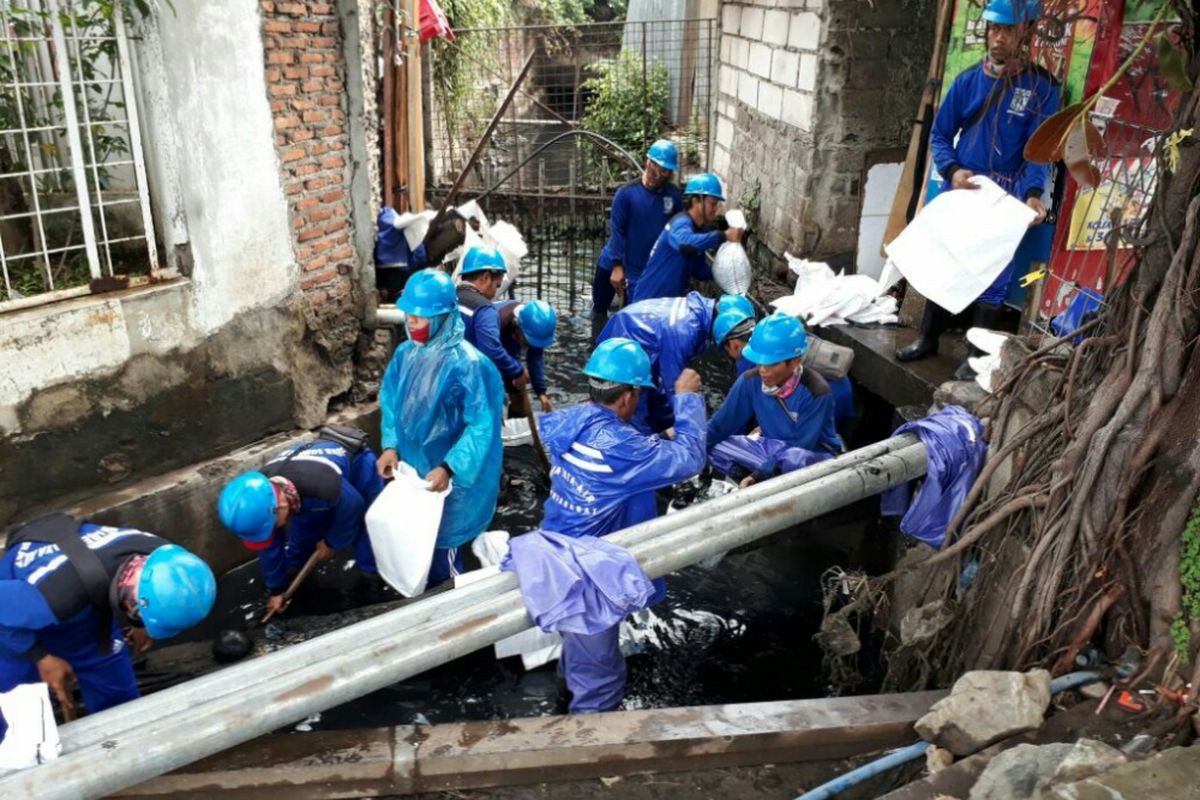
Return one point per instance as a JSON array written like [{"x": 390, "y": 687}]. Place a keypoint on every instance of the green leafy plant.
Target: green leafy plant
[
  {"x": 627, "y": 101},
  {"x": 1189, "y": 579}
]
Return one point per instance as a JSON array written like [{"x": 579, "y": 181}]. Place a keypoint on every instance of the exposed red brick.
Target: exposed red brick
[
  {"x": 315, "y": 263},
  {"x": 305, "y": 169},
  {"x": 320, "y": 214},
  {"x": 313, "y": 86},
  {"x": 277, "y": 26},
  {"x": 314, "y": 116},
  {"x": 302, "y": 135},
  {"x": 323, "y": 41},
  {"x": 319, "y": 278},
  {"x": 308, "y": 234},
  {"x": 332, "y": 162},
  {"x": 282, "y": 90},
  {"x": 295, "y": 9},
  {"x": 283, "y": 123},
  {"x": 322, "y": 72},
  {"x": 331, "y": 130},
  {"x": 306, "y": 203},
  {"x": 341, "y": 252},
  {"x": 330, "y": 28},
  {"x": 321, "y": 8},
  {"x": 293, "y": 155},
  {"x": 304, "y": 26},
  {"x": 309, "y": 57},
  {"x": 273, "y": 74},
  {"x": 329, "y": 100},
  {"x": 295, "y": 73},
  {"x": 303, "y": 103},
  {"x": 332, "y": 197},
  {"x": 267, "y": 7}
]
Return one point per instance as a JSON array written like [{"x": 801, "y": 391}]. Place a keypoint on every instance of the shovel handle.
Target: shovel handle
[{"x": 304, "y": 572}]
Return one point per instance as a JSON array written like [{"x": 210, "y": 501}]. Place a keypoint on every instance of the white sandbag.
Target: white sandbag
[
  {"x": 490, "y": 547},
  {"x": 534, "y": 646},
  {"x": 32, "y": 736},
  {"x": 960, "y": 242},
  {"x": 515, "y": 432},
  {"x": 403, "y": 524},
  {"x": 731, "y": 268}
]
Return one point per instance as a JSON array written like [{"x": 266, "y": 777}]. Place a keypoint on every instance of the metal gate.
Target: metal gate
[{"x": 630, "y": 82}]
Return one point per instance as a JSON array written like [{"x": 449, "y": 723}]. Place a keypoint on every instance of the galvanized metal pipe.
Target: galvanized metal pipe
[
  {"x": 128, "y": 758},
  {"x": 264, "y": 670}
]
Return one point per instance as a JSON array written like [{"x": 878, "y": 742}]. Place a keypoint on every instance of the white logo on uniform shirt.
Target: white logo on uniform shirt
[
  {"x": 1020, "y": 101},
  {"x": 667, "y": 205}
]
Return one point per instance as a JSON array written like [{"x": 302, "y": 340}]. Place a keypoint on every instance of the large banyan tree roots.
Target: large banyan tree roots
[{"x": 1093, "y": 470}]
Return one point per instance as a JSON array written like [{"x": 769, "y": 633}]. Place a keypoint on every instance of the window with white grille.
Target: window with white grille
[{"x": 74, "y": 206}]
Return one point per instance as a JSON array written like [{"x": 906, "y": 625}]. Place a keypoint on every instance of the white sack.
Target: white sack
[
  {"x": 960, "y": 242},
  {"x": 32, "y": 736},
  {"x": 731, "y": 268},
  {"x": 403, "y": 524}
]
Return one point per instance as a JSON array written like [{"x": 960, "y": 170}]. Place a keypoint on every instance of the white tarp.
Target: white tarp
[
  {"x": 824, "y": 298},
  {"x": 960, "y": 242}
]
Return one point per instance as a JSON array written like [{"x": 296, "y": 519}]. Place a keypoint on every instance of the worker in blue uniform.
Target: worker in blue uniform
[
  {"x": 640, "y": 211},
  {"x": 672, "y": 331},
  {"x": 441, "y": 403},
  {"x": 981, "y": 128},
  {"x": 309, "y": 497},
  {"x": 679, "y": 254},
  {"x": 784, "y": 400},
  {"x": 395, "y": 259},
  {"x": 76, "y": 598},
  {"x": 735, "y": 340},
  {"x": 603, "y": 476},
  {"x": 525, "y": 327}
]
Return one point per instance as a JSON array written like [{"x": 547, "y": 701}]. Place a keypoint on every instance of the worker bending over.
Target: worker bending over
[
  {"x": 792, "y": 406},
  {"x": 672, "y": 331},
  {"x": 309, "y": 498},
  {"x": 679, "y": 253},
  {"x": 640, "y": 211},
  {"x": 441, "y": 401},
  {"x": 603, "y": 476},
  {"x": 76, "y": 598}
]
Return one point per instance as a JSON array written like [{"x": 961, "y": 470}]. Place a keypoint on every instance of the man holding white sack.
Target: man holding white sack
[
  {"x": 603, "y": 476},
  {"x": 981, "y": 128},
  {"x": 441, "y": 404}
]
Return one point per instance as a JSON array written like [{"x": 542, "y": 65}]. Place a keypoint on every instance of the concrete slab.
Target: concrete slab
[
  {"x": 876, "y": 368},
  {"x": 1174, "y": 773},
  {"x": 408, "y": 759}
]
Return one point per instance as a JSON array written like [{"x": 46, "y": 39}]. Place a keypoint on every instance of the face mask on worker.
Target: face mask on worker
[
  {"x": 785, "y": 389},
  {"x": 423, "y": 334},
  {"x": 126, "y": 589}
]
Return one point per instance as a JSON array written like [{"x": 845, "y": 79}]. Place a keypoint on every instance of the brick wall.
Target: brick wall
[
  {"x": 809, "y": 87},
  {"x": 305, "y": 72}
]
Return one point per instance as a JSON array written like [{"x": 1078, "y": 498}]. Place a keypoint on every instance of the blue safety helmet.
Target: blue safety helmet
[
  {"x": 247, "y": 506},
  {"x": 727, "y": 302},
  {"x": 175, "y": 591},
  {"x": 537, "y": 319},
  {"x": 478, "y": 259},
  {"x": 777, "y": 338},
  {"x": 620, "y": 360},
  {"x": 665, "y": 154},
  {"x": 705, "y": 184},
  {"x": 1012, "y": 12},
  {"x": 428, "y": 293},
  {"x": 726, "y": 321}
]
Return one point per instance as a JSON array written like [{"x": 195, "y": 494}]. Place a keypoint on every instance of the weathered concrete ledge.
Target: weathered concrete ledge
[
  {"x": 407, "y": 759},
  {"x": 876, "y": 368}
]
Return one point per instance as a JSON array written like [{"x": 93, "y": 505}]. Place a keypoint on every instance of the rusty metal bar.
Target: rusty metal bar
[{"x": 375, "y": 653}]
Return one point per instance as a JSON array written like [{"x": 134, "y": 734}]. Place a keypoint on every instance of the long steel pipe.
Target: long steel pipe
[
  {"x": 105, "y": 724},
  {"x": 141, "y": 752}
]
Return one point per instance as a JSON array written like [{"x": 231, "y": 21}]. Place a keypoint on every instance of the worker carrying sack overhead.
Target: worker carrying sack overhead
[
  {"x": 981, "y": 128},
  {"x": 441, "y": 402},
  {"x": 309, "y": 498},
  {"x": 640, "y": 211},
  {"x": 76, "y": 598},
  {"x": 789, "y": 403},
  {"x": 672, "y": 331},
  {"x": 603, "y": 477},
  {"x": 679, "y": 254}
]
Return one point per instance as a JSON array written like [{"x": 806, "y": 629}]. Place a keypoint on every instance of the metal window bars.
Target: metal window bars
[
  {"x": 74, "y": 201},
  {"x": 631, "y": 81}
]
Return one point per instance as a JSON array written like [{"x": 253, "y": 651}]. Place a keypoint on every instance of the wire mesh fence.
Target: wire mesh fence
[
  {"x": 629, "y": 82},
  {"x": 73, "y": 203}
]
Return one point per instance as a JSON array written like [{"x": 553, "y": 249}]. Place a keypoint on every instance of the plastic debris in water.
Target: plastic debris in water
[
  {"x": 420, "y": 719},
  {"x": 275, "y": 629},
  {"x": 307, "y": 724}
]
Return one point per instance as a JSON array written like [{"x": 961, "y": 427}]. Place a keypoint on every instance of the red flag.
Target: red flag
[{"x": 434, "y": 22}]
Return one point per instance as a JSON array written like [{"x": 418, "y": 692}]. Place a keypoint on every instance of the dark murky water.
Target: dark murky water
[{"x": 738, "y": 633}]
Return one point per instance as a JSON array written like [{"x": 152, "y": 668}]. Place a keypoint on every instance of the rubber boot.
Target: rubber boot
[
  {"x": 983, "y": 315},
  {"x": 933, "y": 322}
]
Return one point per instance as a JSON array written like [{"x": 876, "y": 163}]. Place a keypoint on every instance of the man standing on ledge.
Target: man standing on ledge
[{"x": 993, "y": 109}]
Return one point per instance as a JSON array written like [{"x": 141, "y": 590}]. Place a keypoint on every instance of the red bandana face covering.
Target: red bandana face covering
[
  {"x": 127, "y": 584},
  {"x": 419, "y": 335},
  {"x": 784, "y": 390}
]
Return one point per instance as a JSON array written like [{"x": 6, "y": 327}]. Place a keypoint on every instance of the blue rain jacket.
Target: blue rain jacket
[
  {"x": 953, "y": 439},
  {"x": 42, "y": 608},
  {"x": 391, "y": 248},
  {"x": 582, "y": 588},
  {"x": 993, "y": 143},
  {"x": 441, "y": 402},
  {"x": 604, "y": 472},
  {"x": 677, "y": 256},
  {"x": 804, "y": 419},
  {"x": 762, "y": 456},
  {"x": 637, "y": 218},
  {"x": 336, "y": 489},
  {"x": 672, "y": 331}
]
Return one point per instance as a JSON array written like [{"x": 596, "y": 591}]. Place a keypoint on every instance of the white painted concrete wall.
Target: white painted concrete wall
[
  {"x": 215, "y": 185},
  {"x": 882, "y": 182}
]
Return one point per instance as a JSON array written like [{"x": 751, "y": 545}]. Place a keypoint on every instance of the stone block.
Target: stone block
[
  {"x": 784, "y": 67},
  {"x": 1171, "y": 773},
  {"x": 770, "y": 100},
  {"x": 760, "y": 59},
  {"x": 720, "y": 163},
  {"x": 798, "y": 109},
  {"x": 804, "y": 33},
  {"x": 752, "y": 23},
  {"x": 806, "y": 77},
  {"x": 731, "y": 18},
  {"x": 748, "y": 89},
  {"x": 1028, "y": 772},
  {"x": 775, "y": 27},
  {"x": 986, "y": 706},
  {"x": 728, "y": 79},
  {"x": 741, "y": 54},
  {"x": 724, "y": 133},
  {"x": 726, "y": 49}
]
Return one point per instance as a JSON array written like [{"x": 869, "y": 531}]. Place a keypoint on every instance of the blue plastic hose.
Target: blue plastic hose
[{"x": 914, "y": 751}]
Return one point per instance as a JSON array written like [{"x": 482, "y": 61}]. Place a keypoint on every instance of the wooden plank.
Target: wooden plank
[
  {"x": 404, "y": 760},
  {"x": 415, "y": 133}
]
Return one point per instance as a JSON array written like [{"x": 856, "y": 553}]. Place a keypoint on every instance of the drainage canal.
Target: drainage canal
[{"x": 740, "y": 632}]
